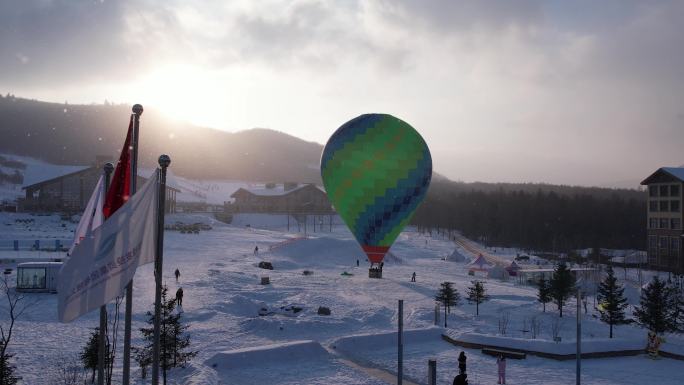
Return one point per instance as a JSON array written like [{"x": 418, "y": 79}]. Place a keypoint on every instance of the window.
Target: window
[
  {"x": 653, "y": 191},
  {"x": 674, "y": 190},
  {"x": 664, "y": 191},
  {"x": 663, "y": 242},
  {"x": 652, "y": 242},
  {"x": 653, "y": 206},
  {"x": 676, "y": 224},
  {"x": 664, "y": 206},
  {"x": 31, "y": 278},
  {"x": 653, "y": 223},
  {"x": 674, "y": 206},
  {"x": 674, "y": 245},
  {"x": 664, "y": 223}
]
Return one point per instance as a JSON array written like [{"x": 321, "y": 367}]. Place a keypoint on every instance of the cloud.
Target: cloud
[{"x": 589, "y": 88}]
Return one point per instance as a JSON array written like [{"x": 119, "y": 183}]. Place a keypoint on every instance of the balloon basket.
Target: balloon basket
[{"x": 374, "y": 273}]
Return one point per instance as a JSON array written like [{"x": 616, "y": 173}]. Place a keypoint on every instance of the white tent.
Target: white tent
[
  {"x": 480, "y": 264},
  {"x": 497, "y": 272},
  {"x": 456, "y": 256}
]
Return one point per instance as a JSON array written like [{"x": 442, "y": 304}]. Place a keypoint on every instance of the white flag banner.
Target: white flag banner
[
  {"x": 105, "y": 261},
  {"x": 92, "y": 216}
]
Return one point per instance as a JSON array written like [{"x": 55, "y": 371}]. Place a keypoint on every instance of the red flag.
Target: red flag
[{"x": 120, "y": 186}]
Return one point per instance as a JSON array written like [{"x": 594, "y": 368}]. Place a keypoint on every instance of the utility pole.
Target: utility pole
[
  {"x": 579, "y": 337},
  {"x": 164, "y": 162},
  {"x": 400, "y": 344}
]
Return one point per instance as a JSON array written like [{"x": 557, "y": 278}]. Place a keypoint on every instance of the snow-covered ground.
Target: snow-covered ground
[{"x": 223, "y": 295}]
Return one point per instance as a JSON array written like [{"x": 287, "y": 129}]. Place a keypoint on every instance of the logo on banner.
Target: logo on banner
[{"x": 106, "y": 247}]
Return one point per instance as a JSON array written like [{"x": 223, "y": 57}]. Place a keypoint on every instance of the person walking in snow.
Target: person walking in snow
[
  {"x": 357, "y": 263},
  {"x": 179, "y": 296},
  {"x": 462, "y": 362},
  {"x": 256, "y": 250},
  {"x": 501, "y": 365},
  {"x": 177, "y": 274},
  {"x": 413, "y": 277},
  {"x": 461, "y": 379}
]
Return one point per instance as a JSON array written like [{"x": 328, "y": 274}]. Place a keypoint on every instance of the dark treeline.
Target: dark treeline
[{"x": 537, "y": 217}]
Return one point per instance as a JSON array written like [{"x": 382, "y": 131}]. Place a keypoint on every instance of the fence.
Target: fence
[{"x": 35, "y": 244}]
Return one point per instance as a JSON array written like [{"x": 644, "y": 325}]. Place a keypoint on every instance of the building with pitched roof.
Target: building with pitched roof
[
  {"x": 281, "y": 198},
  {"x": 69, "y": 191},
  {"x": 664, "y": 219}
]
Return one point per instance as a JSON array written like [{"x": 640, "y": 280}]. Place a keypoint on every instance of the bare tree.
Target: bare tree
[
  {"x": 16, "y": 306},
  {"x": 67, "y": 371},
  {"x": 111, "y": 337},
  {"x": 555, "y": 327},
  {"x": 535, "y": 326},
  {"x": 504, "y": 319}
]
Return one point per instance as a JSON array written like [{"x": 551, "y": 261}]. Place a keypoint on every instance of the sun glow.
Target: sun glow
[{"x": 189, "y": 94}]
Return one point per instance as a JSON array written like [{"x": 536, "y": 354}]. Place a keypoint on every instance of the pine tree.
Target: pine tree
[
  {"x": 612, "y": 301},
  {"x": 653, "y": 312},
  {"x": 89, "y": 354},
  {"x": 677, "y": 307},
  {"x": 173, "y": 339},
  {"x": 477, "y": 294},
  {"x": 562, "y": 285},
  {"x": 7, "y": 376},
  {"x": 448, "y": 297},
  {"x": 544, "y": 293}
]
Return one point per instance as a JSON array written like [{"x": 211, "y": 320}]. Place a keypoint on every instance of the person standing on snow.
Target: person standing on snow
[
  {"x": 461, "y": 379},
  {"x": 462, "y": 362},
  {"x": 413, "y": 277},
  {"x": 501, "y": 364},
  {"x": 179, "y": 296},
  {"x": 177, "y": 274},
  {"x": 256, "y": 250}
]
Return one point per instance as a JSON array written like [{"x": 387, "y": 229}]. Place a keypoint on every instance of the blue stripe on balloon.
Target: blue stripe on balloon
[
  {"x": 347, "y": 133},
  {"x": 387, "y": 211}
]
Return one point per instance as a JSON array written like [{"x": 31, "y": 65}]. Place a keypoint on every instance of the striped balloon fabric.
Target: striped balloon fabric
[{"x": 376, "y": 170}]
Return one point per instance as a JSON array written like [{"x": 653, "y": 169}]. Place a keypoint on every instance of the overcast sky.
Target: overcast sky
[{"x": 571, "y": 92}]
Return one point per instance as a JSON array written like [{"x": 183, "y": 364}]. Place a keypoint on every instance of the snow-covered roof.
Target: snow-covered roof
[
  {"x": 36, "y": 173},
  {"x": 277, "y": 190},
  {"x": 48, "y": 172},
  {"x": 675, "y": 172},
  {"x": 39, "y": 264}
]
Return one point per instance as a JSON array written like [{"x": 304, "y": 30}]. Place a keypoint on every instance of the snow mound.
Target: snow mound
[
  {"x": 286, "y": 354},
  {"x": 352, "y": 344},
  {"x": 323, "y": 251}
]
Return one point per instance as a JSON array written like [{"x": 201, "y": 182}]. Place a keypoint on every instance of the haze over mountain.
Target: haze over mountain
[{"x": 61, "y": 133}]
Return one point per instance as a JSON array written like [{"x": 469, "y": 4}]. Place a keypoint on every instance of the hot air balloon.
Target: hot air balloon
[{"x": 376, "y": 170}]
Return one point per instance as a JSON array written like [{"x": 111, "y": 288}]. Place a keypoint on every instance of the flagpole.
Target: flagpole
[
  {"x": 108, "y": 168},
  {"x": 164, "y": 162},
  {"x": 137, "y": 111}
]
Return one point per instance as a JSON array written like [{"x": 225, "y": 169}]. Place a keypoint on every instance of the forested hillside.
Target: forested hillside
[{"x": 62, "y": 133}]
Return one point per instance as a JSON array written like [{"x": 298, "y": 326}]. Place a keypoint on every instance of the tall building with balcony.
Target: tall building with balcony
[{"x": 664, "y": 219}]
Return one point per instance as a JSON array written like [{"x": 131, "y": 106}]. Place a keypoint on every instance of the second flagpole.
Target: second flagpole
[
  {"x": 102, "y": 346},
  {"x": 137, "y": 110}
]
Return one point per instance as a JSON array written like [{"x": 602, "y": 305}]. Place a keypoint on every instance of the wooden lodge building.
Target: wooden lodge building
[
  {"x": 283, "y": 198},
  {"x": 664, "y": 219},
  {"x": 69, "y": 193}
]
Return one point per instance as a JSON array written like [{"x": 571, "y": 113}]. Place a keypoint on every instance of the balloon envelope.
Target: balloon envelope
[{"x": 376, "y": 170}]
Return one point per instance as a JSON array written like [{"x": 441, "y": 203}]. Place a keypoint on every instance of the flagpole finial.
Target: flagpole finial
[
  {"x": 108, "y": 168},
  {"x": 138, "y": 109},
  {"x": 164, "y": 161}
]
